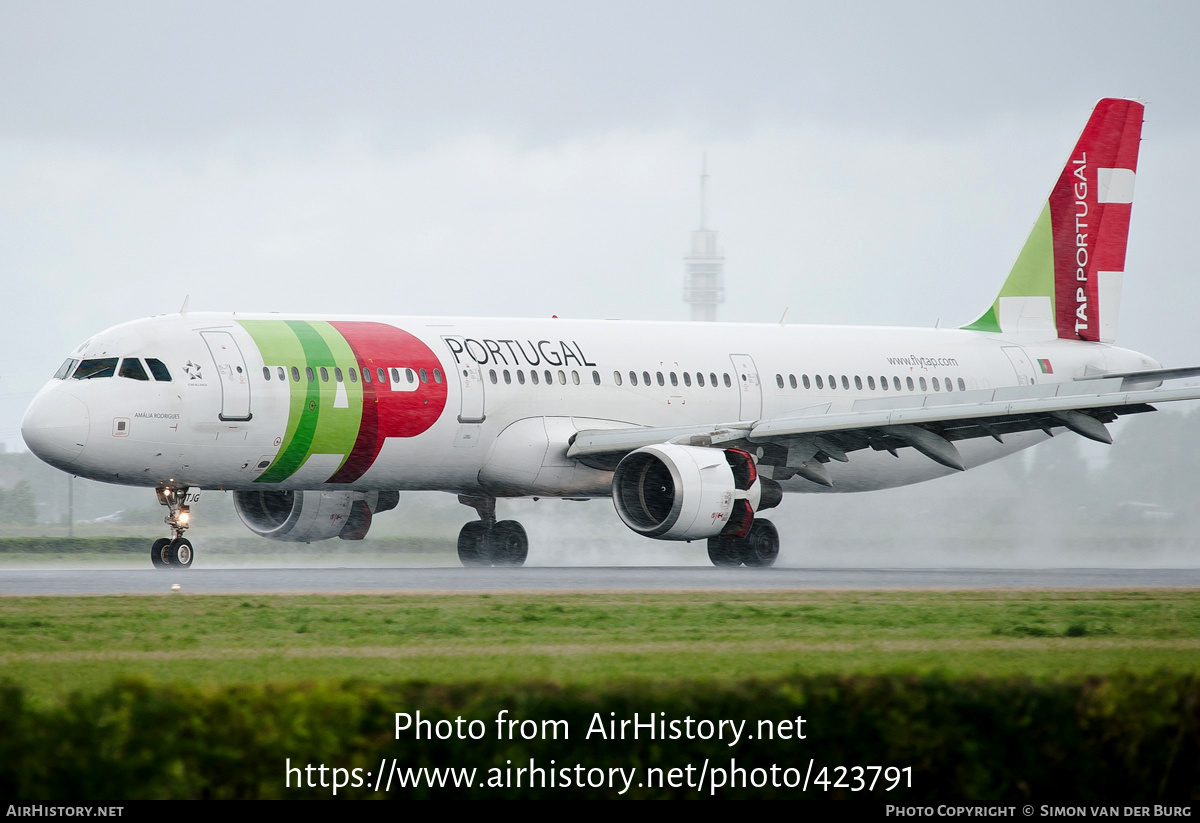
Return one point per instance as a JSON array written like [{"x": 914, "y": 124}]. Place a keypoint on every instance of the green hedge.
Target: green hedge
[
  {"x": 1100, "y": 740},
  {"x": 75, "y": 545},
  {"x": 217, "y": 545}
]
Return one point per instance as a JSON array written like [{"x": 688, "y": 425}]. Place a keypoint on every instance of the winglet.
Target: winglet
[{"x": 1067, "y": 280}]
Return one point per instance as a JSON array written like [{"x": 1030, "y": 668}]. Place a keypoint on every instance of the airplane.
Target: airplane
[{"x": 316, "y": 424}]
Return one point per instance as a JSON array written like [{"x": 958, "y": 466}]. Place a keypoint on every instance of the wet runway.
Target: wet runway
[{"x": 100, "y": 581}]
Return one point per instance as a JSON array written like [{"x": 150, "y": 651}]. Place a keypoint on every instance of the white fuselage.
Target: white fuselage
[{"x": 258, "y": 401}]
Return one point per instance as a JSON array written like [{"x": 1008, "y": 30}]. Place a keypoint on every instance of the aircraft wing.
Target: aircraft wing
[{"x": 807, "y": 437}]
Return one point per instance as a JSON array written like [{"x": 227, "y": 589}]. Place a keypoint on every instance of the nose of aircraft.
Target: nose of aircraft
[{"x": 55, "y": 427}]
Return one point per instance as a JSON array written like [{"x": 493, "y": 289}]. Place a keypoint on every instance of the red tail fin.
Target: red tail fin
[
  {"x": 1067, "y": 278},
  {"x": 1089, "y": 215}
]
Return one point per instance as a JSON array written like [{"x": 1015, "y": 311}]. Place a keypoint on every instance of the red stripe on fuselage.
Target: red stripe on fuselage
[{"x": 386, "y": 412}]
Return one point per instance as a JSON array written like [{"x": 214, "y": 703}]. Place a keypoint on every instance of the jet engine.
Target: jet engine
[
  {"x": 673, "y": 492},
  {"x": 305, "y": 516}
]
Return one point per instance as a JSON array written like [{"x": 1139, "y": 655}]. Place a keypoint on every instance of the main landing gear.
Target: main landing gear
[
  {"x": 173, "y": 552},
  {"x": 759, "y": 548},
  {"x": 484, "y": 542}
]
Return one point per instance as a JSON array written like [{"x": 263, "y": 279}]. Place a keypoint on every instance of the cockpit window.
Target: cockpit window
[
  {"x": 99, "y": 367},
  {"x": 131, "y": 367},
  {"x": 65, "y": 369},
  {"x": 159, "y": 369}
]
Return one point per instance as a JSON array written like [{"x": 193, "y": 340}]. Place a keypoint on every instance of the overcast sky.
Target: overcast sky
[{"x": 870, "y": 163}]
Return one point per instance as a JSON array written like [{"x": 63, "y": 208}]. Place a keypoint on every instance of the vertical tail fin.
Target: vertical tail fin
[{"x": 1067, "y": 279}]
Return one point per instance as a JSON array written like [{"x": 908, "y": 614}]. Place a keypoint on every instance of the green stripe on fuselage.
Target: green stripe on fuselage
[
  {"x": 337, "y": 428},
  {"x": 314, "y": 426}
]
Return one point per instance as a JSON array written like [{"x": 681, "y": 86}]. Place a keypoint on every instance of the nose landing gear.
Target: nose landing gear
[{"x": 175, "y": 551}]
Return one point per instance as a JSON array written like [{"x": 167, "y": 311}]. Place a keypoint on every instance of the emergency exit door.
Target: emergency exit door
[{"x": 746, "y": 375}]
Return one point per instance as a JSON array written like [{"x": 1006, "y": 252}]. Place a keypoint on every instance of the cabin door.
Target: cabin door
[
  {"x": 470, "y": 382},
  {"x": 231, "y": 374},
  {"x": 1023, "y": 366}
]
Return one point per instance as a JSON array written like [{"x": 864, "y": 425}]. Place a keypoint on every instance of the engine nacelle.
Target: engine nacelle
[
  {"x": 675, "y": 492},
  {"x": 306, "y": 516}
]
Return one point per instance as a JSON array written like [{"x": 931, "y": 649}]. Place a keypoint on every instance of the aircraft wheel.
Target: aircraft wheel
[
  {"x": 158, "y": 553},
  {"x": 472, "y": 544},
  {"x": 723, "y": 552},
  {"x": 508, "y": 544},
  {"x": 760, "y": 547},
  {"x": 179, "y": 551}
]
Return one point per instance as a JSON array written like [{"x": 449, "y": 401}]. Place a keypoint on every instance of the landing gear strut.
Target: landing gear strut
[
  {"x": 758, "y": 549},
  {"x": 485, "y": 542},
  {"x": 175, "y": 551}
]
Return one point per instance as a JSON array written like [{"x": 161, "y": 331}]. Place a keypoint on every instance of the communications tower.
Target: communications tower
[{"x": 704, "y": 267}]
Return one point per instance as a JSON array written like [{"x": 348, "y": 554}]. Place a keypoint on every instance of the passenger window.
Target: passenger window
[
  {"x": 308, "y": 371},
  {"x": 728, "y": 382},
  {"x": 562, "y": 378},
  {"x": 533, "y": 375},
  {"x": 507, "y": 378},
  {"x": 381, "y": 374},
  {"x": 923, "y": 386},
  {"x": 353, "y": 373},
  {"x": 820, "y": 385},
  {"x": 267, "y": 373},
  {"x": 858, "y": 382},
  {"x": 779, "y": 380},
  {"x": 278, "y": 371},
  {"x": 549, "y": 377},
  {"x": 295, "y": 375},
  {"x": 437, "y": 376},
  {"x": 936, "y": 387},
  {"x": 659, "y": 375},
  {"x": 832, "y": 382},
  {"x": 687, "y": 379},
  {"x": 961, "y": 385},
  {"x": 896, "y": 382},
  {"x": 324, "y": 375},
  {"x": 792, "y": 380},
  {"x": 646, "y": 377},
  {"x": 870, "y": 382},
  {"x": 521, "y": 376},
  {"x": 700, "y": 379},
  {"x": 949, "y": 384},
  {"x": 845, "y": 383},
  {"x": 366, "y": 375},
  {"x": 804, "y": 381},
  {"x": 99, "y": 367},
  {"x": 492, "y": 375},
  {"x": 674, "y": 379},
  {"x": 596, "y": 377},
  {"x": 712, "y": 379},
  {"x": 337, "y": 374},
  {"x": 394, "y": 374},
  {"x": 131, "y": 367},
  {"x": 617, "y": 377},
  {"x": 425, "y": 376},
  {"x": 908, "y": 381},
  {"x": 575, "y": 377},
  {"x": 633, "y": 378}
]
